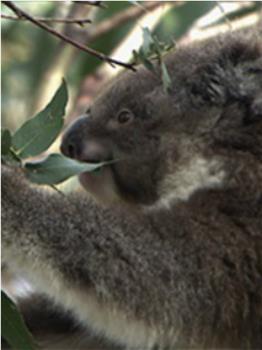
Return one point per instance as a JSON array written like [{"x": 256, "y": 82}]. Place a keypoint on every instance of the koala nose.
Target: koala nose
[{"x": 77, "y": 144}]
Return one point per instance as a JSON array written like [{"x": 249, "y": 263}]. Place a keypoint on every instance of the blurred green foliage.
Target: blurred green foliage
[
  {"x": 180, "y": 19},
  {"x": 13, "y": 328},
  {"x": 29, "y": 51}
]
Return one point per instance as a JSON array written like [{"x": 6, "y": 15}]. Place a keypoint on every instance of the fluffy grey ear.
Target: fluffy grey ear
[
  {"x": 240, "y": 124},
  {"x": 209, "y": 85},
  {"x": 251, "y": 90},
  {"x": 232, "y": 75},
  {"x": 256, "y": 109}
]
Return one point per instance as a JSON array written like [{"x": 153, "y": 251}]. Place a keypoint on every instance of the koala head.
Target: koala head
[{"x": 165, "y": 146}]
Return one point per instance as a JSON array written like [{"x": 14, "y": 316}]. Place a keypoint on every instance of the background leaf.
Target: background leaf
[
  {"x": 140, "y": 57},
  {"x": 57, "y": 168},
  {"x": 148, "y": 41},
  {"x": 150, "y": 50},
  {"x": 8, "y": 156},
  {"x": 6, "y": 141},
  {"x": 14, "y": 330},
  {"x": 38, "y": 133}
]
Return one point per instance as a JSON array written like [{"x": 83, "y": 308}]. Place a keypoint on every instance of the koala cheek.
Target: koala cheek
[{"x": 101, "y": 186}]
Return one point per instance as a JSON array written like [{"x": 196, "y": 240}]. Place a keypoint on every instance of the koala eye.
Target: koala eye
[{"x": 125, "y": 116}]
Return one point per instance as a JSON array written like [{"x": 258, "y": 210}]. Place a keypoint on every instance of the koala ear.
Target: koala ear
[
  {"x": 256, "y": 110},
  {"x": 207, "y": 85},
  {"x": 240, "y": 124},
  {"x": 251, "y": 91},
  {"x": 240, "y": 50},
  {"x": 252, "y": 97},
  {"x": 230, "y": 75}
]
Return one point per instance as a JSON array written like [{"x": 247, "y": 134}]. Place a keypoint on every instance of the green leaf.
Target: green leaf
[
  {"x": 140, "y": 57},
  {"x": 148, "y": 64},
  {"x": 57, "y": 168},
  {"x": 165, "y": 77},
  {"x": 148, "y": 41},
  {"x": 38, "y": 133},
  {"x": 14, "y": 330},
  {"x": 159, "y": 48},
  {"x": 6, "y": 141},
  {"x": 8, "y": 155}
]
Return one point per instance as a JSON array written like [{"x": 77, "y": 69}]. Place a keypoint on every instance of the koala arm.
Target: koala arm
[
  {"x": 82, "y": 255},
  {"x": 40, "y": 226},
  {"x": 117, "y": 272},
  {"x": 140, "y": 279}
]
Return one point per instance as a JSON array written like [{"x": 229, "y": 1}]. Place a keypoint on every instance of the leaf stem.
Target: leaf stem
[{"x": 79, "y": 21}]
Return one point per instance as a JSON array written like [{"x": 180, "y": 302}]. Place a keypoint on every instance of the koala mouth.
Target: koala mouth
[{"x": 100, "y": 184}]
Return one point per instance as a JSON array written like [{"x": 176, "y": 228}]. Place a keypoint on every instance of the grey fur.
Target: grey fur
[{"x": 159, "y": 267}]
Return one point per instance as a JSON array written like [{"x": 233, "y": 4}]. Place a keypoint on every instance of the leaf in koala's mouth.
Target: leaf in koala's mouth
[
  {"x": 57, "y": 168},
  {"x": 97, "y": 171}
]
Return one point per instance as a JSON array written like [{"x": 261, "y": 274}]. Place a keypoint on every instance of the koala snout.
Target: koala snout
[{"x": 77, "y": 144}]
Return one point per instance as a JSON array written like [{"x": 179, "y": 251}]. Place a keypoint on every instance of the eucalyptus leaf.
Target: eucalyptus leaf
[
  {"x": 165, "y": 77},
  {"x": 14, "y": 330},
  {"x": 159, "y": 48},
  {"x": 6, "y": 141},
  {"x": 140, "y": 57},
  {"x": 8, "y": 156},
  {"x": 148, "y": 41},
  {"x": 148, "y": 64},
  {"x": 57, "y": 168},
  {"x": 38, "y": 133}
]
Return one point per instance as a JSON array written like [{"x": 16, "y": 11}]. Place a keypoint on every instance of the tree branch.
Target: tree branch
[
  {"x": 92, "y": 3},
  {"x": 99, "y": 55},
  {"x": 133, "y": 12},
  {"x": 79, "y": 21},
  {"x": 221, "y": 8}
]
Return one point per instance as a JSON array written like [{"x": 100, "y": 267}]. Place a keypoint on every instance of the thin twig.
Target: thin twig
[
  {"x": 133, "y": 12},
  {"x": 79, "y": 21},
  {"x": 99, "y": 55},
  {"x": 61, "y": 193},
  {"x": 221, "y": 8},
  {"x": 92, "y": 3}
]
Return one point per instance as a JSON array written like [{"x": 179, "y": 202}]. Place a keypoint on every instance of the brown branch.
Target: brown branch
[
  {"x": 92, "y": 3},
  {"x": 222, "y": 10},
  {"x": 79, "y": 21},
  {"x": 99, "y": 55},
  {"x": 133, "y": 12}
]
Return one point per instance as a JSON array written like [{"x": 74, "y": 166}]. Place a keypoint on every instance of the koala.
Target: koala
[{"x": 165, "y": 252}]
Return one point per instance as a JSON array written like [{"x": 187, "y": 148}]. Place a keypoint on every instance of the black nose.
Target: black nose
[
  {"x": 78, "y": 143},
  {"x": 72, "y": 142}
]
